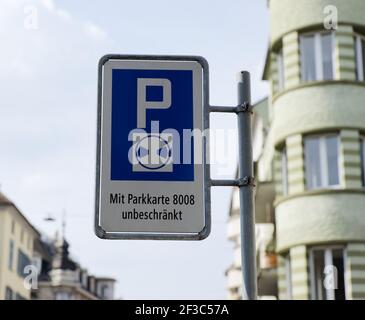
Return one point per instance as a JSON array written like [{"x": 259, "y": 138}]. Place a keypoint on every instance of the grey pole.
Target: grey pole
[
  {"x": 245, "y": 184},
  {"x": 247, "y": 210}
]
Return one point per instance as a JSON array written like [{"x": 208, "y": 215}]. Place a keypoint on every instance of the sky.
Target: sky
[{"x": 48, "y": 78}]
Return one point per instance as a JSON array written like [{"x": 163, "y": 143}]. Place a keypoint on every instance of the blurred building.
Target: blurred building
[
  {"x": 310, "y": 153},
  {"x": 17, "y": 236},
  {"x": 29, "y": 258},
  {"x": 61, "y": 278}
]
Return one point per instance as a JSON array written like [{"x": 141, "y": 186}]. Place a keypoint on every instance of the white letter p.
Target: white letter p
[{"x": 143, "y": 104}]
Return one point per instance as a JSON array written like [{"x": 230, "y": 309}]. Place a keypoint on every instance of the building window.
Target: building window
[
  {"x": 84, "y": 279},
  {"x": 91, "y": 287},
  {"x": 11, "y": 254},
  {"x": 19, "y": 297},
  {"x": 37, "y": 262},
  {"x": 284, "y": 171},
  {"x": 327, "y": 273},
  {"x": 317, "y": 56},
  {"x": 288, "y": 277},
  {"x": 360, "y": 57},
  {"x": 321, "y": 161},
  {"x": 104, "y": 291},
  {"x": 29, "y": 244},
  {"x": 23, "y": 261},
  {"x": 12, "y": 227},
  {"x": 8, "y": 294},
  {"x": 63, "y": 296},
  {"x": 281, "y": 72},
  {"x": 362, "y": 152}
]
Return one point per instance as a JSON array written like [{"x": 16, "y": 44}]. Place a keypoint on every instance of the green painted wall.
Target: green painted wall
[
  {"x": 291, "y": 55},
  {"x": 295, "y": 164},
  {"x": 355, "y": 271},
  {"x": 293, "y": 15},
  {"x": 282, "y": 280},
  {"x": 322, "y": 218},
  {"x": 326, "y": 216},
  {"x": 299, "y": 273},
  {"x": 350, "y": 159},
  {"x": 319, "y": 107},
  {"x": 345, "y": 64}
]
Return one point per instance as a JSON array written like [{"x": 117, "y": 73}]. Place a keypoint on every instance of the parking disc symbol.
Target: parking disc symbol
[{"x": 153, "y": 152}]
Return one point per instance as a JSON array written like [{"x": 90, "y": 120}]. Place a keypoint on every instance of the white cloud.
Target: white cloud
[
  {"x": 64, "y": 14},
  {"x": 20, "y": 67},
  {"x": 94, "y": 31},
  {"x": 46, "y": 121},
  {"x": 89, "y": 27},
  {"x": 48, "y": 127},
  {"x": 49, "y": 4},
  {"x": 51, "y": 7}
]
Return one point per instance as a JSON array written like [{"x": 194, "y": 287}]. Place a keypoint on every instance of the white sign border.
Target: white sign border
[{"x": 99, "y": 231}]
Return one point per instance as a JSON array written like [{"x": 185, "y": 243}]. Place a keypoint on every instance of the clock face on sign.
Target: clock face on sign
[{"x": 153, "y": 152}]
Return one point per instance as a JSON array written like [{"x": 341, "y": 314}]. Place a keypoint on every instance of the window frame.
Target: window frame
[
  {"x": 284, "y": 171},
  {"x": 288, "y": 276},
  {"x": 63, "y": 295},
  {"x": 362, "y": 158},
  {"x": 11, "y": 255},
  {"x": 23, "y": 261},
  {"x": 84, "y": 279},
  {"x": 323, "y": 163},
  {"x": 328, "y": 260},
  {"x": 19, "y": 297},
  {"x": 9, "y": 293},
  {"x": 103, "y": 290},
  {"x": 359, "y": 57},
  {"x": 12, "y": 226},
  {"x": 281, "y": 69},
  {"x": 318, "y": 57}
]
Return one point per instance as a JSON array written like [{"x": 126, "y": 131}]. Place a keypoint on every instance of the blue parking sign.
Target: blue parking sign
[
  {"x": 152, "y": 173},
  {"x": 178, "y": 115}
]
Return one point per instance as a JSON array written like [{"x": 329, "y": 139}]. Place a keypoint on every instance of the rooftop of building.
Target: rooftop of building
[{"x": 5, "y": 201}]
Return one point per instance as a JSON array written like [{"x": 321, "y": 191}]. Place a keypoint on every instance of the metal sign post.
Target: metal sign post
[
  {"x": 245, "y": 183},
  {"x": 247, "y": 209},
  {"x": 143, "y": 190}
]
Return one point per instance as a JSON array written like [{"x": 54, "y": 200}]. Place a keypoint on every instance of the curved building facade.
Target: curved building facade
[
  {"x": 316, "y": 146},
  {"x": 318, "y": 124}
]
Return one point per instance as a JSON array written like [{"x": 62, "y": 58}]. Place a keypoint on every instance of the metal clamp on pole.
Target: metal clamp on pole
[
  {"x": 244, "y": 107},
  {"x": 224, "y": 183},
  {"x": 241, "y": 182},
  {"x": 222, "y": 109},
  {"x": 246, "y": 182}
]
